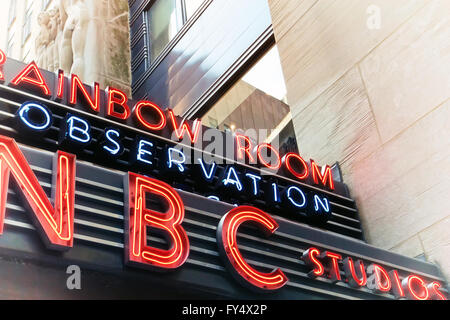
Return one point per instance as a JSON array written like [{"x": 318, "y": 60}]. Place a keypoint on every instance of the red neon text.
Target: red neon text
[
  {"x": 193, "y": 135},
  {"x": 243, "y": 147},
  {"x": 416, "y": 287},
  {"x": 374, "y": 277},
  {"x": 273, "y": 151},
  {"x": 2, "y": 62},
  {"x": 60, "y": 85},
  {"x": 138, "y": 109},
  {"x": 311, "y": 258},
  {"x": 226, "y": 237},
  {"x": 32, "y": 76},
  {"x": 333, "y": 265},
  {"x": 139, "y": 217},
  {"x": 117, "y": 98},
  {"x": 325, "y": 179},
  {"x": 288, "y": 160},
  {"x": 356, "y": 277},
  {"x": 57, "y": 221},
  {"x": 75, "y": 85}
]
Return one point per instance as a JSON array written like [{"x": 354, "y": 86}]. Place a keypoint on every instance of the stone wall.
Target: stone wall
[{"x": 368, "y": 84}]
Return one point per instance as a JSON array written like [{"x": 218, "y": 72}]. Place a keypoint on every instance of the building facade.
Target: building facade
[
  {"x": 377, "y": 101},
  {"x": 343, "y": 102},
  {"x": 145, "y": 191}
]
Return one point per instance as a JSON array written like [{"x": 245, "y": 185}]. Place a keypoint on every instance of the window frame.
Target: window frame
[
  {"x": 10, "y": 42},
  {"x": 27, "y": 24},
  {"x": 260, "y": 48},
  {"x": 45, "y": 4},
  {"x": 180, "y": 8}
]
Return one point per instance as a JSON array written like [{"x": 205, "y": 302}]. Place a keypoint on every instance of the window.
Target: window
[
  {"x": 45, "y": 4},
  {"x": 26, "y": 56},
  {"x": 27, "y": 25},
  {"x": 191, "y": 6},
  {"x": 213, "y": 123},
  {"x": 12, "y": 12},
  {"x": 256, "y": 105},
  {"x": 165, "y": 19},
  {"x": 164, "y": 23},
  {"x": 10, "y": 45}
]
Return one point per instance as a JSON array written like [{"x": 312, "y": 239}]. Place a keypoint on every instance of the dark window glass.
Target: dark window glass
[
  {"x": 164, "y": 23},
  {"x": 165, "y": 19}
]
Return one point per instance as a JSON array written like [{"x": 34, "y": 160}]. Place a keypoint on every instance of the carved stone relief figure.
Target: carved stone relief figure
[
  {"x": 77, "y": 22},
  {"x": 51, "y": 50},
  {"x": 42, "y": 39},
  {"x": 65, "y": 45},
  {"x": 58, "y": 40},
  {"x": 94, "y": 46},
  {"x": 88, "y": 38}
]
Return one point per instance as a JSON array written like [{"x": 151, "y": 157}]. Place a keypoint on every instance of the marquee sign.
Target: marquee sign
[
  {"x": 104, "y": 128},
  {"x": 157, "y": 169}
]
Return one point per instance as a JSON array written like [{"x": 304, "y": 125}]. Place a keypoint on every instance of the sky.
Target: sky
[{"x": 267, "y": 75}]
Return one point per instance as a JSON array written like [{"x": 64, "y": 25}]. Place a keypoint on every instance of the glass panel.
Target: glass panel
[
  {"x": 45, "y": 4},
  {"x": 192, "y": 6},
  {"x": 164, "y": 22},
  {"x": 10, "y": 46},
  {"x": 12, "y": 12},
  {"x": 27, "y": 25},
  {"x": 257, "y": 101}
]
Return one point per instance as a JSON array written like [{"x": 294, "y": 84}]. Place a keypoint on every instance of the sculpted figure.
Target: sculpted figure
[
  {"x": 51, "y": 50},
  {"x": 77, "y": 21},
  {"x": 42, "y": 40},
  {"x": 58, "y": 40},
  {"x": 72, "y": 38},
  {"x": 66, "y": 29},
  {"x": 94, "y": 43}
]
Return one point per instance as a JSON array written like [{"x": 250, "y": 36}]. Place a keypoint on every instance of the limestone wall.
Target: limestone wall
[{"x": 368, "y": 84}]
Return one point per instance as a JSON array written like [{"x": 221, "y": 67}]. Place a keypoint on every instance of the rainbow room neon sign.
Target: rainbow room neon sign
[
  {"x": 55, "y": 222},
  {"x": 35, "y": 119},
  {"x": 150, "y": 117}
]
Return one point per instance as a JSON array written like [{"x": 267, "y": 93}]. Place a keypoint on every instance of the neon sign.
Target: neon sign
[
  {"x": 56, "y": 222},
  {"x": 115, "y": 105},
  {"x": 76, "y": 132},
  {"x": 148, "y": 154},
  {"x": 226, "y": 239},
  {"x": 139, "y": 217},
  {"x": 328, "y": 264}
]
